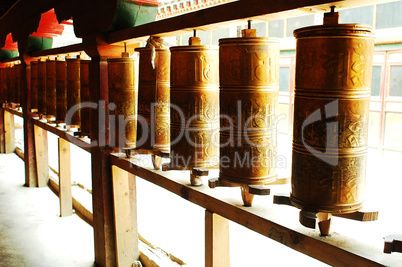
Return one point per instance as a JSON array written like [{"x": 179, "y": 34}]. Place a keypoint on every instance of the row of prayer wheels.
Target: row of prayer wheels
[
  {"x": 210, "y": 107},
  {"x": 10, "y": 82}
]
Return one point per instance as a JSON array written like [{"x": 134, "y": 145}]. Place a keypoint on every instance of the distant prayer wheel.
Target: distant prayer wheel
[
  {"x": 153, "y": 97},
  {"x": 85, "y": 98},
  {"x": 34, "y": 85},
  {"x": 41, "y": 86},
  {"x": 61, "y": 89},
  {"x": 3, "y": 85},
  {"x": 51, "y": 101},
  {"x": 331, "y": 111},
  {"x": 123, "y": 97},
  {"x": 194, "y": 98},
  {"x": 17, "y": 84},
  {"x": 249, "y": 88},
  {"x": 10, "y": 84},
  {"x": 73, "y": 119}
]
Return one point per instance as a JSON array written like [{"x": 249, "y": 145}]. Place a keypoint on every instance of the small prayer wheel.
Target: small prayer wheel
[
  {"x": 194, "y": 98},
  {"x": 123, "y": 97},
  {"x": 34, "y": 85},
  {"x": 249, "y": 88},
  {"x": 61, "y": 89},
  {"x": 10, "y": 84},
  {"x": 85, "y": 98},
  {"x": 153, "y": 97},
  {"x": 331, "y": 111},
  {"x": 73, "y": 119},
  {"x": 17, "y": 84},
  {"x": 3, "y": 86},
  {"x": 41, "y": 86},
  {"x": 51, "y": 101}
]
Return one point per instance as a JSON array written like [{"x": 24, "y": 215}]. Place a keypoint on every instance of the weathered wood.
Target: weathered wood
[
  {"x": 393, "y": 243},
  {"x": 125, "y": 210},
  {"x": 217, "y": 249},
  {"x": 9, "y": 129},
  {"x": 42, "y": 158},
  {"x": 65, "y": 195}
]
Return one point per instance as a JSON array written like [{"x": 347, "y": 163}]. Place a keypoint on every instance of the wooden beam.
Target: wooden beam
[
  {"x": 9, "y": 129},
  {"x": 42, "y": 158},
  {"x": 66, "y": 198},
  {"x": 125, "y": 219},
  {"x": 217, "y": 246}
]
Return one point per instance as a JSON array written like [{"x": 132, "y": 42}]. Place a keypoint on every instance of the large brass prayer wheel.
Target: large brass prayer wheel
[
  {"x": 41, "y": 86},
  {"x": 249, "y": 88},
  {"x": 73, "y": 93},
  {"x": 34, "y": 85},
  {"x": 123, "y": 97},
  {"x": 51, "y": 103},
  {"x": 194, "y": 99},
  {"x": 85, "y": 98},
  {"x": 153, "y": 128},
  {"x": 331, "y": 111},
  {"x": 61, "y": 90}
]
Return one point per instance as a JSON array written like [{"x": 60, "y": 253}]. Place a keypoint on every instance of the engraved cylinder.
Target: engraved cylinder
[
  {"x": 331, "y": 110},
  {"x": 153, "y": 129},
  {"x": 61, "y": 89},
  {"x": 34, "y": 85},
  {"x": 51, "y": 87},
  {"x": 85, "y": 98},
  {"x": 41, "y": 82},
  {"x": 17, "y": 84},
  {"x": 123, "y": 97},
  {"x": 73, "y": 118},
  {"x": 249, "y": 87},
  {"x": 3, "y": 85},
  {"x": 194, "y": 99},
  {"x": 10, "y": 84}
]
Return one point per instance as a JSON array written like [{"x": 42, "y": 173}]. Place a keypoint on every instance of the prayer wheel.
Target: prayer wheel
[
  {"x": 249, "y": 88},
  {"x": 123, "y": 97},
  {"x": 331, "y": 111},
  {"x": 61, "y": 90},
  {"x": 85, "y": 97},
  {"x": 73, "y": 119},
  {"x": 194, "y": 99},
  {"x": 10, "y": 84},
  {"x": 17, "y": 84},
  {"x": 51, "y": 100},
  {"x": 34, "y": 85},
  {"x": 153, "y": 97},
  {"x": 3, "y": 86},
  {"x": 41, "y": 83}
]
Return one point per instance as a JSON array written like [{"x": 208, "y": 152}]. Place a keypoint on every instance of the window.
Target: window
[
  {"x": 376, "y": 81},
  {"x": 284, "y": 79},
  {"x": 276, "y": 28},
  {"x": 362, "y": 15},
  {"x": 396, "y": 81},
  {"x": 388, "y": 15},
  {"x": 261, "y": 29},
  {"x": 298, "y": 22}
]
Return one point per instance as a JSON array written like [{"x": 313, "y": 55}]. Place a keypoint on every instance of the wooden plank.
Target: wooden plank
[
  {"x": 68, "y": 49},
  {"x": 15, "y": 112},
  {"x": 124, "y": 199},
  {"x": 66, "y": 198},
  {"x": 42, "y": 158},
  {"x": 217, "y": 246},
  {"x": 271, "y": 221},
  {"x": 9, "y": 129}
]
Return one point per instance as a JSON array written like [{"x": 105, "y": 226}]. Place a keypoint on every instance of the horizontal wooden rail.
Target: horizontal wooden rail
[
  {"x": 14, "y": 111},
  {"x": 274, "y": 221},
  {"x": 85, "y": 145}
]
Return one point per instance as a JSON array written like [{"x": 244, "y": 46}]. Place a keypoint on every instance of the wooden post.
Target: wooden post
[
  {"x": 66, "y": 198},
  {"x": 125, "y": 214},
  {"x": 9, "y": 129},
  {"x": 2, "y": 145},
  {"x": 41, "y": 153},
  {"x": 217, "y": 250}
]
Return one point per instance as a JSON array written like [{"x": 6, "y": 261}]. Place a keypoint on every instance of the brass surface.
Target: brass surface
[
  {"x": 41, "y": 82},
  {"x": 331, "y": 110},
  {"x": 194, "y": 98},
  {"x": 73, "y": 91},
  {"x": 61, "y": 90},
  {"x": 123, "y": 97},
  {"x": 34, "y": 85},
  {"x": 85, "y": 98},
  {"x": 249, "y": 87},
  {"x": 51, "y": 87}
]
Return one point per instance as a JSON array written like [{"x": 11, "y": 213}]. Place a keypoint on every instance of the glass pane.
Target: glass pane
[
  {"x": 374, "y": 128},
  {"x": 261, "y": 28},
  {"x": 396, "y": 81},
  {"x": 276, "y": 28},
  {"x": 376, "y": 81},
  {"x": 389, "y": 15},
  {"x": 218, "y": 34},
  {"x": 282, "y": 118},
  {"x": 284, "y": 79},
  {"x": 393, "y": 130},
  {"x": 358, "y": 15},
  {"x": 298, "y": 22}
]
